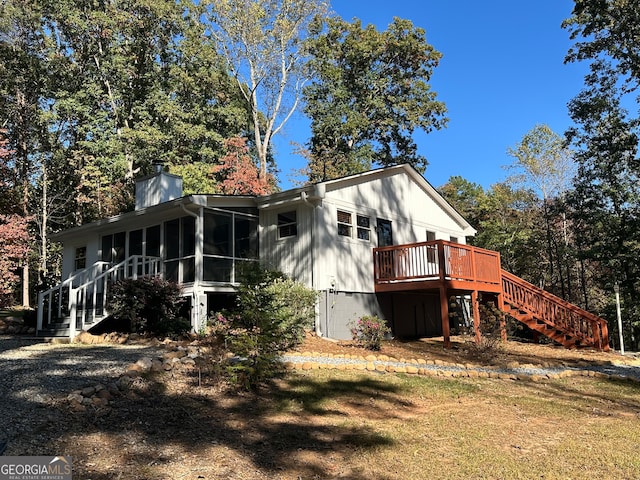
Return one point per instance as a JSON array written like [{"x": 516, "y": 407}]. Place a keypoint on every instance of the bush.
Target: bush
[
  {"x": 492, "y": 320},
  {"x": 149, "y": 305},
  {"x": 369, "y": 331},
  {"x": 272, "y": 314}
]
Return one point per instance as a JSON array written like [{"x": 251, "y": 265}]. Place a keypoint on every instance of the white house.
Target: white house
[{"x": 322, "y": 235}]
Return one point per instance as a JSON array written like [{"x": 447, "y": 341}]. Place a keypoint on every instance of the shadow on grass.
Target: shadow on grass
[
  {"x": 283, "y": 429},
  {"x": 297, "y": 424}
]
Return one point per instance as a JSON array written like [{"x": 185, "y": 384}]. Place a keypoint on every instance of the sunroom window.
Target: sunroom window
[{"x": 230, "y": 238}]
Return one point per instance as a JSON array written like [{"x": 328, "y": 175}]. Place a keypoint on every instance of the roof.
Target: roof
[{"x": 312, "y": 192}]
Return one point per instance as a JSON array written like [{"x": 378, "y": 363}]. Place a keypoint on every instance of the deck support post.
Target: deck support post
[
  {"x": 475, "y": 304},
  {"x": 503, "y": 323},
  {"x": 444, "y": 313}
]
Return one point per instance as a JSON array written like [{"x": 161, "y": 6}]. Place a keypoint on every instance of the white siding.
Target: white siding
[
  {"x": 69, "y": 253},
  {"x": 291, "y": 255},
  {"x": 399, "y": 199},
  {"x": 348, "y": 262}
]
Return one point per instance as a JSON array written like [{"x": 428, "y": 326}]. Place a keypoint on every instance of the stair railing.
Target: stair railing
[
  {"x": 554, "y": 311},
  {"x": 82, "y": 297}
]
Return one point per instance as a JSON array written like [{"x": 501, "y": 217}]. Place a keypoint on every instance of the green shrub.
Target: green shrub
[
  {"x": 369, "y": 331},
  {"x": 272, "y": 314},
  {"x": 149, "y": 304}
]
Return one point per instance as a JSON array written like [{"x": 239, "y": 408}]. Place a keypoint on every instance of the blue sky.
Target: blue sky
[{"x": 502, "y": 72}]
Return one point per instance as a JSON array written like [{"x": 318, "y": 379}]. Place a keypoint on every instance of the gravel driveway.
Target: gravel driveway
[{"x": 34, "y": 375}]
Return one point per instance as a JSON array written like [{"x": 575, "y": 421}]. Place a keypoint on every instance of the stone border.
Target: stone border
[
  {"x": 178, "y": 354},
  {"x": 102, "y": 397},
  {"x": 439, "y": 368}
]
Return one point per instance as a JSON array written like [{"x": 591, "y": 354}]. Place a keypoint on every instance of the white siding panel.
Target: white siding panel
[
  {"x": 69, "y": 253},
  {"x": 291, "y": 255},
  {"x": 399, "y": 199}
]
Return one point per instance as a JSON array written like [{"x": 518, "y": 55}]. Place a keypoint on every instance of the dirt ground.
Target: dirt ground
[{"x": 464, "y": 351}]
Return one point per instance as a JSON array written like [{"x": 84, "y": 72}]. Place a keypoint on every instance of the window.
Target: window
[
  {"x": 172, "y": 239},
  {"x": 217, "y": 233},
  {"x": 135, "y": 242},
  {"x": 229, "y": 236},
  {"x": 81, "y": 258},
  {"x": 113, "y": 247},
  {"x": 344, "y": 223},
  {"x": 287, "y": 226},
  {"x": 364, "y": 228},
  {"x": 385, "y": 233},
  {"x": 454, "y": 239},
  {"x": 152, "y": 247},
  {"x": 246, "y": 237},
  {"x": 180, "y": 248},
  {"x": 431, "y": 249}
]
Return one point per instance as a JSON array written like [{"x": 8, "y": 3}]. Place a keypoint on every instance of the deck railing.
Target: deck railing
[
  {"x": 555, "y": 312},
  {"x": 81, "y": 298},
  {"x": 436, "y": 260}
]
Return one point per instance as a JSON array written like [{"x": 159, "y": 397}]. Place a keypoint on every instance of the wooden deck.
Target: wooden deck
[
  {"x": 434, "y": 265},
  {"x": 447, "y": 267},
  {"x": 454, "y": 269}
]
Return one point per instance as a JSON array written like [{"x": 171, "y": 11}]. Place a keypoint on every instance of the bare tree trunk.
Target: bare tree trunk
[
  {"x": 44, "y": 222},
  {"x": 23, "y": 178}
]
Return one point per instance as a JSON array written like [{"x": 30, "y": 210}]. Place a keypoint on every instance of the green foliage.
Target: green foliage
[
  {"x": 272, "y": 314},
  {"x": 149, "y": 304},
  {"x": 542, "y": 163},
  {"x": 605, "y": 206},
  {"x": 196, "y": 177},
  {"x": 465, "y": 196},
  {"x": 370, "y": 92},
  {"x": 369, "y": 331}
]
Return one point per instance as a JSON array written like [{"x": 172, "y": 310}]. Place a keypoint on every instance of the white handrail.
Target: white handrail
[{"x": 94, "y": 281}]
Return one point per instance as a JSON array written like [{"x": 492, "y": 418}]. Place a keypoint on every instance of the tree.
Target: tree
[
  {"x": 543, "y": 164},
  {"x": 271, "y": 316},
  {"x": 370, "y": 92},
  {"x": 607, "y": 30},
  {"x": 607, "y": 192},
  {"x": 261, "y": 41},
  {"x": 13, "y": 230},
  {"x": 508, "y": 222},
  {"x": 27, "y": 75},
  {"x": 465, "y": 196},
  {"x": 14, "y": 246},
  {"x": 142, "y": 88},
  {"x": 237, "y": 174},
  {"x": 91, "y": 93}
]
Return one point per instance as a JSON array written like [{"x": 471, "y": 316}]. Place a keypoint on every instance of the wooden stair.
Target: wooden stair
[{"x": 551, "y": 316}]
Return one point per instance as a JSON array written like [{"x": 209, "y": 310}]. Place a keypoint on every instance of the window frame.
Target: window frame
[
  {"x": 80, "y": 261},
  {"x": 361, "y": 228},
  {"x": 346, "y": 226},
  {"x": 284, "y": 223}
]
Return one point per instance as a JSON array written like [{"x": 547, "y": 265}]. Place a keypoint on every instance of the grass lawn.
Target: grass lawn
[{"x": 342, "y": 424}]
